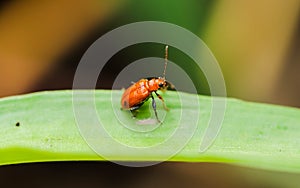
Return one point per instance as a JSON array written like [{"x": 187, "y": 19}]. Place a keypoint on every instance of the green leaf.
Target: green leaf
[{"x": 42, "y": 126}]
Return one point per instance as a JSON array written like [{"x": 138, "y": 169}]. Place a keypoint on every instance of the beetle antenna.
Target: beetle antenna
[{"x": 166, "y": 61}]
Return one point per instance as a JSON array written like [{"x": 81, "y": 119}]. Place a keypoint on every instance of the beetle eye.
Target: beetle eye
[{"x": 161, "y": 84}]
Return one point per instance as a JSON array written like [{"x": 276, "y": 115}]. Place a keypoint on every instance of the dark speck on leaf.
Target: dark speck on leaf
[{"x": 18, "y": 124}]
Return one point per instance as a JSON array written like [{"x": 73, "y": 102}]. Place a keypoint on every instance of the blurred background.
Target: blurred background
[{"x": 256, "y": 43}]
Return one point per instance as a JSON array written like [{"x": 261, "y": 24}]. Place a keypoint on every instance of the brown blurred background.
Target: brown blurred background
[{"x": 256, "y": 43}]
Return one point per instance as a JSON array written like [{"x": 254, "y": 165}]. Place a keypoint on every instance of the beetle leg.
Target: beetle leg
[
  {"x": 154, "y": 107},
  {"x": 162, "y": 100},
  {"x": 134, "y": 109},
  {"x": 134, "y": 113}
]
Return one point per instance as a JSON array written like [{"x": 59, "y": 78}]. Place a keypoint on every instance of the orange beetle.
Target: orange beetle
[{"x": 138, "y": 93}]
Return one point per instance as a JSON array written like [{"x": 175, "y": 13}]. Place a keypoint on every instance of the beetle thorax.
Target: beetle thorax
[{"x": 156, "y": 83}]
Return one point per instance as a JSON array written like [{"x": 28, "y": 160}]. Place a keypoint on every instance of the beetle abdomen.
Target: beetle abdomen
[{"x": 135, "y": 95}]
